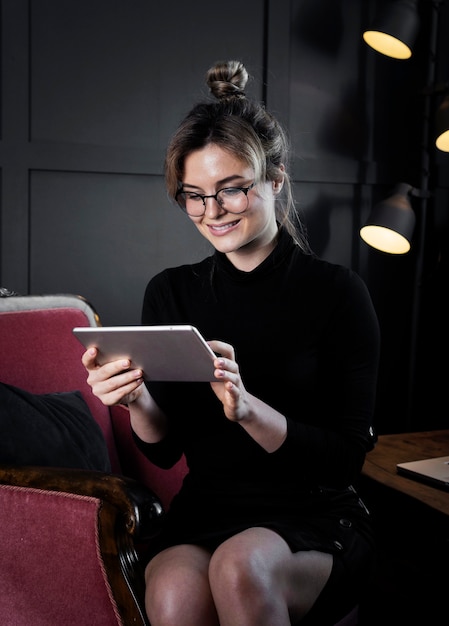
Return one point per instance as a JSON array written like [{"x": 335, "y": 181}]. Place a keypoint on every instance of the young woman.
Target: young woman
[{"x": 267, "y": 529}]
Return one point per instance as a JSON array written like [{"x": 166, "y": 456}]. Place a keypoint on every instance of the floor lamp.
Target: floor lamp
[{"x": 403, "y": 20}]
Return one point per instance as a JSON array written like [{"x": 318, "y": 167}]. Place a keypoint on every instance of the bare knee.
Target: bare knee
[
  {"x": 177, "y": 588},
  {"x": 160, "y": 596},
  {"x": 238, "y": 567},
  {"x": 242, "y": 583},
  {"x": 255, "y": 579}
]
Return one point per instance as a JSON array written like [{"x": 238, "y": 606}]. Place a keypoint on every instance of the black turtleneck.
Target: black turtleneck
[{"x": 306, "y": 340}]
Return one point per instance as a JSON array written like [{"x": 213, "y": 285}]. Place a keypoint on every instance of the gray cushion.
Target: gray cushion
[{"x": 54, "y": 429}]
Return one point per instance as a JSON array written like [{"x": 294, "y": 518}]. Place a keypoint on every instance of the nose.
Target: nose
[{"x": 213, "y": 207}]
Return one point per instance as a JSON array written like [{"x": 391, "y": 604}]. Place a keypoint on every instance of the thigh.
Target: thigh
[
  {"x": 177, "y": 587},
  {"x": 177, "y": 562},
  {"x": 296, "y": 578}
]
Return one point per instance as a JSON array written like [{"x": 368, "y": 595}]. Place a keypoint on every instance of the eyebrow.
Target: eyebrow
[{"x": 220, "y": 183}]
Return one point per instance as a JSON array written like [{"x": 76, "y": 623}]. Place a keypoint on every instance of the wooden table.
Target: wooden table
[
  {"x": 380, "y": 464},
  {"x": 411, "y": 525}
]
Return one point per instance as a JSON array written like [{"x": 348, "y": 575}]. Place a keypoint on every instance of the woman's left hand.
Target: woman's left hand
[
  {"x": 263, "y": 423},
  {"x": 230, "y": 390}
]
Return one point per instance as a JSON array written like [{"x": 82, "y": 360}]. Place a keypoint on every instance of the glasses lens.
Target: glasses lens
[
  {"x": 233, "y": 199},
  {"x": 191, "y": 203}
]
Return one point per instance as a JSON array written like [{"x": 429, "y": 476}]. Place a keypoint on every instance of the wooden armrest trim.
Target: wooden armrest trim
[
  {"x": 142, "y": 509},
  {"x": 127, "y": 511}
]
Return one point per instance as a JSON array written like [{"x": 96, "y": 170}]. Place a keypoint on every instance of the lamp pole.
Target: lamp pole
[{"x": 422, "y": 214}]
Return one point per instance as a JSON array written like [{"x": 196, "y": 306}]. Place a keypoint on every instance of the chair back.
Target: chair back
[{"x": 39, "y": 353}]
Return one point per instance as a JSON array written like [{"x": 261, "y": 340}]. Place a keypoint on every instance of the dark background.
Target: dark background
[{"x": 91, "y": 91}]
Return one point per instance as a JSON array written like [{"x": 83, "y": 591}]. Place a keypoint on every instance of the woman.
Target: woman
[{"x": 266, "y": 529}]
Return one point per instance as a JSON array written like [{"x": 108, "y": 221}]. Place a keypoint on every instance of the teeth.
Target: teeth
[{"x": 224, "y": 226}]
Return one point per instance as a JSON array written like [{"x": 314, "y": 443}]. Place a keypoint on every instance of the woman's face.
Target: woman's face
[{"x": 246, "y": 238}]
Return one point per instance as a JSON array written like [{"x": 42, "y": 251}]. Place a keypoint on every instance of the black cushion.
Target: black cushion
[{"x": 53, "y": 429}]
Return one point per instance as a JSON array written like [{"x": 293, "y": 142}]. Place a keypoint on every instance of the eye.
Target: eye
[
  {"x": 192, "y": 197},
  {"x": 230, "y": 192}
]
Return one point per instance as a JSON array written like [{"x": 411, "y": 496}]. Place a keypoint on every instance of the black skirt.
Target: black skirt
[
  {"x": 328, "y": 520},
  {"x": 313, "y": 519}
]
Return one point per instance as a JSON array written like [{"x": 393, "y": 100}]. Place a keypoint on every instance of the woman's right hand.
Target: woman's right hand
[{"x": 114, "y": 382}]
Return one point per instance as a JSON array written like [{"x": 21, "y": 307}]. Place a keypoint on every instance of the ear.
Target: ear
[{"x": 279, "y": 182}]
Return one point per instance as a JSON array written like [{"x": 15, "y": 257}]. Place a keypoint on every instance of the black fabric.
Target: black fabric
[
  {"x": 54, "y": 429},
  {"x": 307, "y": 342}
]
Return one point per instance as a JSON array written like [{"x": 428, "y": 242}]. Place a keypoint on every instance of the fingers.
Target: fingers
[
  {"x": 89, "y": 358},
  {"x": 227, "y": 370},
  {"x": 120, "y": 389},
  {"x": 229, "y": 390},
  {"x": 225, "y": 364},
  {"x": 222, "y": 348},
  {"x": 114, "y": 382}
]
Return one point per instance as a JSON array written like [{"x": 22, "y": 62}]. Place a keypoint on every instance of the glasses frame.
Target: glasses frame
[{"x": 204, "y": 197}]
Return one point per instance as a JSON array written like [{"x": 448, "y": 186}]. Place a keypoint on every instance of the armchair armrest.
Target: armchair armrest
[
  {"x": 125, "y": 513},
  {"x": 141, "y": 508}
]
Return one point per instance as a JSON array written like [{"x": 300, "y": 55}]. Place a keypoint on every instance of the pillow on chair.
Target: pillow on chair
[{"x": 53, "y": 429}]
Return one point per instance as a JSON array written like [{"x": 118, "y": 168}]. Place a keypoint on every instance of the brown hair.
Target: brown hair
[{"x": 244, "y": 128}]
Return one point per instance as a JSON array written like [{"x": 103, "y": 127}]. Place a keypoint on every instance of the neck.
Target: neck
[{"x": 246, "y": 259}]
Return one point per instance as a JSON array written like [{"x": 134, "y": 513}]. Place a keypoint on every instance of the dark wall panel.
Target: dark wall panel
[
  {"x": 328, "y": 210},
  {"x": 326, "y": 111},
  {"x": 103, "y": 236},
  {"x": 122, "y": 73}
]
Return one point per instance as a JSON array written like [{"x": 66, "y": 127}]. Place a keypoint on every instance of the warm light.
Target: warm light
[
  {"x": 442, "y": 125},
  {"x": 394, "y": 30},
  {"x": 387, "y": 44},
  {"x": 390, "y": 225},
  {"x": 442, "y": 141},
  {"x": 384, "y": 239}
]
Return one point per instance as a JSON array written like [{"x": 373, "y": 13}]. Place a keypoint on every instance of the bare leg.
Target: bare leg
[
  {"x": 177, "y": 588},
  {"x": 257, "y": 581},
  {"x": 252, "y": 579}
]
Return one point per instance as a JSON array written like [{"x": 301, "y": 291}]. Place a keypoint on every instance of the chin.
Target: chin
[
  {"x": 227, "y": 242},
  {"x": 223, "y": 248}
]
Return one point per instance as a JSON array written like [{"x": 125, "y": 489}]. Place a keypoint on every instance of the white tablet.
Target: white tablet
[{"x": 173, "y": 353}]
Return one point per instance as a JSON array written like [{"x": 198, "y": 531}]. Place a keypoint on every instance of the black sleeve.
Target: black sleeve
[
  {"x": 164, "y": 453},
  {"x": 348, "y": 392},
  {"x": 167, "y": 452}
]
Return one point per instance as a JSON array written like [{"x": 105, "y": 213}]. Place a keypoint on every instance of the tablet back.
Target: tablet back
[{"x": 164, "y": 353}]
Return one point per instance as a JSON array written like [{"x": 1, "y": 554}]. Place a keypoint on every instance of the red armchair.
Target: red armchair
[{"x": 70, "y": 537}]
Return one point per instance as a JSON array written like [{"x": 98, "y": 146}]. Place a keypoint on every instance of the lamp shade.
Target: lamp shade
[
  {"x": 394, "y": 31},
  {"x": 390, "y": 226},
  {"x": 442, "y": 125}
]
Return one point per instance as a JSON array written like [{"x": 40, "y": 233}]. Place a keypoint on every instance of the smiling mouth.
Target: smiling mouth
[{"x": 223, "y": 227}]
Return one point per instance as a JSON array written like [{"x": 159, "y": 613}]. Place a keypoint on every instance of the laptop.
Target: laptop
[{"x": 433, "y": 471}]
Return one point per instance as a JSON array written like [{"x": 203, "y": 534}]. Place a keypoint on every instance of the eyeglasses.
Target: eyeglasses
[{"x": 232, "y": 199}]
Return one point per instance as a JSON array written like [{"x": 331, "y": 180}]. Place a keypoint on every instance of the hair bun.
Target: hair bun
[{"x": 227, "y": 79}]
